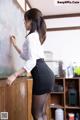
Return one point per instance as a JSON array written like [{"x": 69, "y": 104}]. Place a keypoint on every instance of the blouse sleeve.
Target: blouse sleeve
[
  {"x": 29, "y": 65},
  {"x": 24, "y": 52},
  {"x": 31, "y": 62}
]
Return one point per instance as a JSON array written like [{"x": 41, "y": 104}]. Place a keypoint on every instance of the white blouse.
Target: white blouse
[{"x": 32, "y": 50}]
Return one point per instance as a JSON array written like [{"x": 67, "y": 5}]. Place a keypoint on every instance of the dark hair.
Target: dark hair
[{"x": 38, "y": 23}]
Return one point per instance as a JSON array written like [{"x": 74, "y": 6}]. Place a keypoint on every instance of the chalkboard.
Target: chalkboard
[{"x": 11, "y": 23}]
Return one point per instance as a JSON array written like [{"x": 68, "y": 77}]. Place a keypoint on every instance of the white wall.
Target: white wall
[
  {"x": 63, "y": 22},
  {"x": 65, "y": 45}
]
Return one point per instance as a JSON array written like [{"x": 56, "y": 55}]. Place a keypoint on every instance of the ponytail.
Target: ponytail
[{"x": 37, "y": 24}]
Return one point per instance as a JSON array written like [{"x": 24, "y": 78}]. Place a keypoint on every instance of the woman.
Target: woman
[{"x": 43, "y": 77}]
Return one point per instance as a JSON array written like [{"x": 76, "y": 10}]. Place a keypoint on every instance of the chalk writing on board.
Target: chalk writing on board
[{"x": 11, "y": 22}]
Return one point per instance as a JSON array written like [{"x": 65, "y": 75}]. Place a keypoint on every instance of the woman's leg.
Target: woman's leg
[
  {"x": 45, "y": 108},
  {"x": 38, "y": 106}
]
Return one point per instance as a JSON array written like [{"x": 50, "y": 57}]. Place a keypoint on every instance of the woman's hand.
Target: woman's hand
[
  {"x": 13, "y": 40},
  {"x": 11, "y": 79}
]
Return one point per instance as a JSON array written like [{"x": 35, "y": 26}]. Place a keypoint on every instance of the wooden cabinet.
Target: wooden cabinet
[
  {"x": 60, "y": 98},
  {"x": 16, "y": 99},
  {"x": 29, "y": 99}
]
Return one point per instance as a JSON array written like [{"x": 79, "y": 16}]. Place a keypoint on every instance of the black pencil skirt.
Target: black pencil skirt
[{"x": 43, "y": 78}]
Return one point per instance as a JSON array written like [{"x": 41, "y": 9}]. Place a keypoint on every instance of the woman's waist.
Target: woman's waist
[{"x": 40, "y": 60}]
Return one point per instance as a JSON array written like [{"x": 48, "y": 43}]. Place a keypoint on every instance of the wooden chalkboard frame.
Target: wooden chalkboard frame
[{"x": 19, "y": 5}]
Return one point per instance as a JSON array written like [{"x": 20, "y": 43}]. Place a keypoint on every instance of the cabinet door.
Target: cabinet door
[
  {"x": 29, "y": 98},
  {"x": 2, "y": 99},
  {"x": 16, "y": 99}
]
